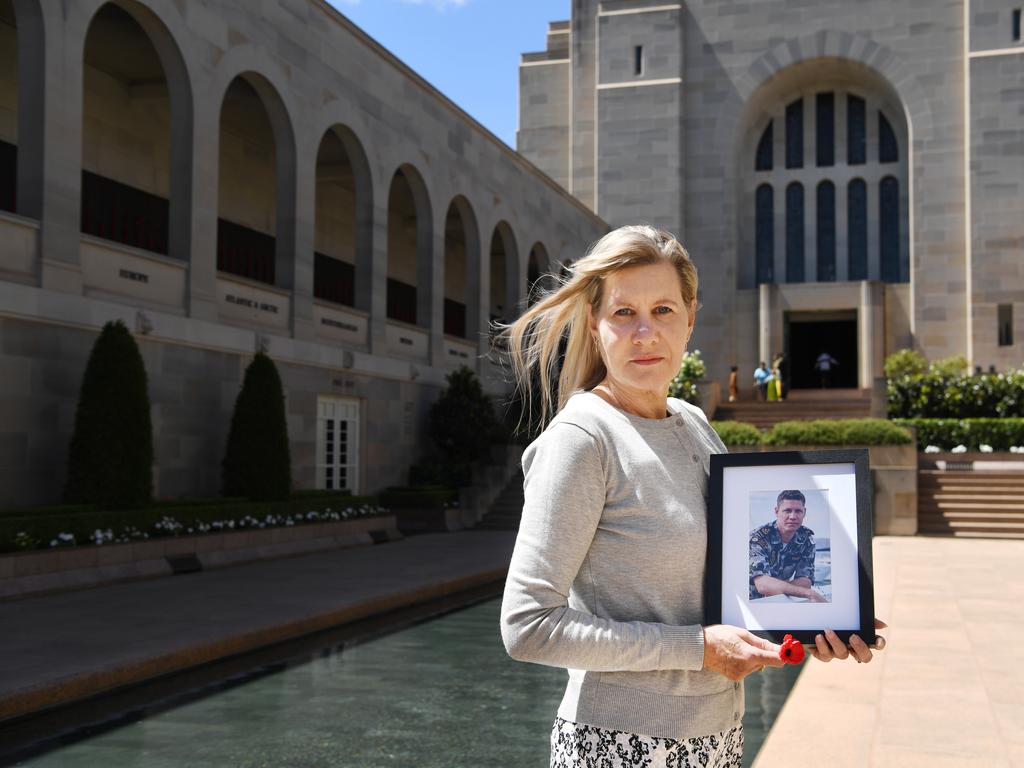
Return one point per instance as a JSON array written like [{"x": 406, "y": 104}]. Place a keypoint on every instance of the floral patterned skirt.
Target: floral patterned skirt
[{"x": 575, "y": 745}]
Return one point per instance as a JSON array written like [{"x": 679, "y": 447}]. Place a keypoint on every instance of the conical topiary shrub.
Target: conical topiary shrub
[
  {"x": 257, "y": 462},
  {"x": 110, "y": 461},
  {"x": 463, "y": 424}
]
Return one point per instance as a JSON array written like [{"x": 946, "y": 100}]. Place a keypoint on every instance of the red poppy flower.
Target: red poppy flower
[{"x": 792, "y": 651}]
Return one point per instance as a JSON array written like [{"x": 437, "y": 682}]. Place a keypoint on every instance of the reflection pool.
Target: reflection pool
[{"x": 441, "y": 694}]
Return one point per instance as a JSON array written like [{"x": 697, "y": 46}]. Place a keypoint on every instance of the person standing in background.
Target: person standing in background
[
  {"x": 777, "y": 376},
  {"x": 733, "y": 384},
  {"x": 823, "y": 365},
  {"x": 762, "y": 377}
]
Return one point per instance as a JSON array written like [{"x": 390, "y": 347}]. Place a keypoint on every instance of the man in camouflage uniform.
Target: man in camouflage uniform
[{"x": 782, "y": 552}]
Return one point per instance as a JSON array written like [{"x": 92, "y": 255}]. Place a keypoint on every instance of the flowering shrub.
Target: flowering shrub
[{"x": 684, "y": 385}]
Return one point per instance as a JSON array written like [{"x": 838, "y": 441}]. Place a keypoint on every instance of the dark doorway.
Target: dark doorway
[{"x": 808, "y": 336}]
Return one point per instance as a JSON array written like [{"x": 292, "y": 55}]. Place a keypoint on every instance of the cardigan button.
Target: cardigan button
[
  {"x": 679, "y": 422},
  {"x": 695, "y": 457}
]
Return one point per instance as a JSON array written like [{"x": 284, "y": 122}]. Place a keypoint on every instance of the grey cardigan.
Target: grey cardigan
[{"x": 607, "y": 575}]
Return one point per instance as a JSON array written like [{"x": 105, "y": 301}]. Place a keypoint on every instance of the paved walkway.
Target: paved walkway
[
  {"x": 949, "y": 688},
  {"x": 61, "y": 648}
]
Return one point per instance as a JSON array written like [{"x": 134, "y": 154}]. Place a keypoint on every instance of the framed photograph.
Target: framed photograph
[{"x": 789, "y": 544}]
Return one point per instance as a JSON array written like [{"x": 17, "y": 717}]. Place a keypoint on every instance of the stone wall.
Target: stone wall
[{"x": 311, "y": 71}]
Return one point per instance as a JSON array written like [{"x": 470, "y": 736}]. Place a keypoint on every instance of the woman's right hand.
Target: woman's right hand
[{"x": 735, "y": 652}]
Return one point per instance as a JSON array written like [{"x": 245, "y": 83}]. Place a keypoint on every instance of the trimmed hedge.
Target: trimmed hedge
[
  {"x": 946, "y": 434},
  {"x": 44, "y": 528},
  {"x": 421, "y": 497},
  {"x": 837, "y": 432},
  {"x": 737, "y": 432},
  {"x": 110, "y": 458},
  {"x": 939, "y": 395},
  {"x": 819, "y": 432},
  {"x": 257, "y": 458}
]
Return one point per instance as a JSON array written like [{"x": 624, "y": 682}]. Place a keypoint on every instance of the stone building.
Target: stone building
[
  {"x": 229, "y": 176},
  {"x": 848, "y": 176}
]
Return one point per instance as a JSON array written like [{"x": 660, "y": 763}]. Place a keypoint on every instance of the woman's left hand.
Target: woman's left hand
[{"x": 828, "y": 646}]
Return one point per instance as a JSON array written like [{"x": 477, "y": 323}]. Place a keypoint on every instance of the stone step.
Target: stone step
[
  {"x": 970, "y": 515},
  {"x": 972, "y": 476},
  {"x": 953, "y": 499},
  {"x": 976, "y": 534},
  {"x": 971, "y": 525}
]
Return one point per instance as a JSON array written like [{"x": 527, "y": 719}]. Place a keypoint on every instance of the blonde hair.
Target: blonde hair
[{"x": 531, "y": 342}]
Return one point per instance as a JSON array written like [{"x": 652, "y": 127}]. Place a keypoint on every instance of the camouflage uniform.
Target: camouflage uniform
[{"x": 770, "y": 556}]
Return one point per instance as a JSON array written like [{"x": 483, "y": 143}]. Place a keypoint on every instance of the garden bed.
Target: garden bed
[{"x": 63, "y": 568}]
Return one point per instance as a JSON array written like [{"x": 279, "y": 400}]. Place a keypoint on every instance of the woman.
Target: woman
[{"x": 607, "y": 574}]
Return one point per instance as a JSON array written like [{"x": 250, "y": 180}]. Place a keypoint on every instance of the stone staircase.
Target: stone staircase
[
  {"x": 507, "y": 508},
  {"x": 974, "y": 503},
  {"x": 800, "y": 405}
]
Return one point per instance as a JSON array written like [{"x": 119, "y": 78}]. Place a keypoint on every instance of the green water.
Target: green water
[{"x": 442, "y": 694}]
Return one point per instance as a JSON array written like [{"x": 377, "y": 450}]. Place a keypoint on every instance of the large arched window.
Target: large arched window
[
  {"x": 889, "y": 229},
  {"x": 830, "y": 123},
  {"x": 857, "y": 228},
  {"x": 795, "y": 233},
  {"x": 826, "y": 228}
]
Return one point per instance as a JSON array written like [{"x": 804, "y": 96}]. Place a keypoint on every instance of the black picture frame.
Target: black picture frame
[{"x": 730, "y": 474}]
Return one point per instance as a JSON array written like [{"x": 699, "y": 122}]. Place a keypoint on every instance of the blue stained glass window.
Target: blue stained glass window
[
  {"x": 889, "y": 229},
  {"x": 764, "y": 234},
  {"x": 888, "y": 150},
  {"x": 825, "y": 144},
  {"x": 795, "y": 134},
  {"x": 826, "y": 232},
  {"x": 857, "y": 228},
  {"x": 763, "y": 161},
  {"x": 856, "y": 136},
  {"x": 795, "y": 233}
]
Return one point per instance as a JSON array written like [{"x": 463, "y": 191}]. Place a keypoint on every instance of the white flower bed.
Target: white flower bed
[{"x": 170, "y": 526}]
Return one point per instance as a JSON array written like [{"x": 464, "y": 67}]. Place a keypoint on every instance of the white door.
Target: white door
[{"x": 337, "y": 443}]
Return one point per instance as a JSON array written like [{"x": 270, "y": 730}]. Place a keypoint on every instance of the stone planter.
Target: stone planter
[
  {"x": 54, "y": 570},
  {"x": 893, "y": 476}
]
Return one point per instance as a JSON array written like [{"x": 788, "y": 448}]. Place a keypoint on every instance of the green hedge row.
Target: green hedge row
[
  {"x": 34, "y": 531},
  {"x": 946, "y": 434},
  {"x": 737, "y": 432},
  {"x": 939, "y": 394},
  {"x": 818, "y": 432},
  {"x": 421, "y": 497}
]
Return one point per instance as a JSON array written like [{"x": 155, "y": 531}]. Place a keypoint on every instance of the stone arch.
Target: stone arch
[
  {"x": 342, "y": 271},
  {"x": 245, "y": 246},
  {"x": 504, "y": 261},
  {"x": 538, "y": 274},
  {"x": 846, "y": 46},
  {"x": 409, "y": 247},
  {"x": 461, "y": 270},
  {"x": 153, "y": 194},
  {"x": 265, "y": 77}
]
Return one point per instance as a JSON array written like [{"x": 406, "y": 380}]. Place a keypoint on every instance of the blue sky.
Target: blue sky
[{"x": 467, "y": 49}]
